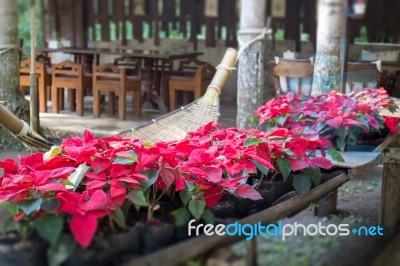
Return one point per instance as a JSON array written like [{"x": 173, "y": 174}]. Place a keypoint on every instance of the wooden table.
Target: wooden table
[{"x": 153, "y": 62}]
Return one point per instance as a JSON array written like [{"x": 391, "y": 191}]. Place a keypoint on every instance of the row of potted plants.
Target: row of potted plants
[
  {"x": 87, "y": 187},
  {"x": 94, "y": 188},
  {"x": 339, "y": 117}
]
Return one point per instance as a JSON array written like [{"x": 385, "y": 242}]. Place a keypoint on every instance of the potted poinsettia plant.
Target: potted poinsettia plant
[
  {"x": 337, "y": 116},
  {"x": 71, "y": 189}
]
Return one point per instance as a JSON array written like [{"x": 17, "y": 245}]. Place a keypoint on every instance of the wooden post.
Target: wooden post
[
  {"x": 250, "y": 91},
  {"x": 389, "y": 215},
  {"x": 327, "y": 69},
  {"x": 327, "y": 205}
]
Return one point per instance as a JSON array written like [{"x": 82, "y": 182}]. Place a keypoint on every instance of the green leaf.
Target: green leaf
[
  {"x": 290, "y": 153},
  {"x": 12, "y": 208},
  {"x": 102, "y": 242},
  {"x": 50, "y": 205},
  {"x": 189, "y": 185},
  {"x": 314, "y": 173},
  {"x": 148, "y": 144},
  {"x": 61, "y": 251},
  {"x": 137, "y": 197},
  {"x": 320, "y": 126},
  {"x": 152, "y": 176},
  {"x": 260, "y": 167},
  {"x": 302, "y": 183},
  {"x": 8, "y": 225},
  {"x": 124, "y": 161},
  {"x": 251, "y": 142},
  {"x": 335, "y": 155},
  {"x": 77, "y": 176},
  {"x": 341, "y": 143},
  {"x": 125, "y": 207},
  {"x": 284, "y": 167},
  {"x": 196, "y": 208},
  {"x": 182, "y": 216},
  {"x": 66, "y": 182},
  {"x": 49, "y": 227},
  {"x": 281, "y": 119},
  {"x": 364, "y": 121},
  {"x": 119, "y": 218},
  {"x": 185, "y": 196},
  {"x": 208, "y": 217},
  {"x": 342, "y": 132},
  {"x": 31, "y": 206}
]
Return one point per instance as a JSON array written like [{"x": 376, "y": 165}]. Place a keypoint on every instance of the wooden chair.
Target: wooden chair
[
  {"x": 194, "y": 76},
  {"x": 131, "y": 65},
  {"x": 291, "y": 75},
  {"x": 109, "y": 78},
  {"x": 361, "y": 75},
  {"x": 44, "y": 78},
  {"x": 68, "y": 75}
]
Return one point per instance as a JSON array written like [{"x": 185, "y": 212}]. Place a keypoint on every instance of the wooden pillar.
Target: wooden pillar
[
  {"x": 389, "y": 215},
  {"x": 292, "y": 25},
  {"x": 104, "y": 20},
  {"x": 250, "y": 76}
]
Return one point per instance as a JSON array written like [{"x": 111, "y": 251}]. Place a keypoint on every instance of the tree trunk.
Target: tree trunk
[
  {"x": 9, "y": 63},
  {"x": 250, "y": 87},
  {"x": 327, "y": 67}
]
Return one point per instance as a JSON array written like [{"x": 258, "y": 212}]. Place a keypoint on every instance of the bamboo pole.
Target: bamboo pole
[
  {"x": 10, "y": 121},
  {"x": 186, "y": 250},
  {"x": 34, "y": 94}
]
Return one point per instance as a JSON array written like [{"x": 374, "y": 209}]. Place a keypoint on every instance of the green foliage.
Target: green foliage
[
  {"x": 24, "y": 24},
  {"x": 49, "y": 227},
  {"x": 182, "y": 216},
  {"x": 11, "y": 143},
  {"x": 196, "y": 208},
  {"x": 137, "y": 197},
  {"x": 302, "y": 183}
]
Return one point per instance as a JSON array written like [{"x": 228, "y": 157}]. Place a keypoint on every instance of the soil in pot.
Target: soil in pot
[{"x": 14, "y": 252}]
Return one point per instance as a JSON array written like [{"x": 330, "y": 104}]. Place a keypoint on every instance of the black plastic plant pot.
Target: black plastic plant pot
[
  {"x": 156, "y": 236},
  {"x": 82, "y": 257},
  {"x": 125, "y": 243},
  {"x": 181, "y": 233},
  {"x": 14, "y": 252},
  {"x": 225, "y": 208},
  {"x": 270, "y": 191}
]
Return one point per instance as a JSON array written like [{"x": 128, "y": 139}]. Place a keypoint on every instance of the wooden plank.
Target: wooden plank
[
  {"x": 389, "y": 215},
  {"x": 356, "y": 159},
  {"x": 391, "y": 255},
  {"x": 200, "y": 245}
]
